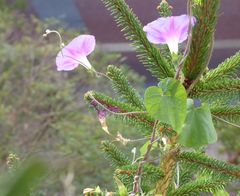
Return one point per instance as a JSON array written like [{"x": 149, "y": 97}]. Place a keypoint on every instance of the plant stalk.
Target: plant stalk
[{"x": 168, "y": 167}]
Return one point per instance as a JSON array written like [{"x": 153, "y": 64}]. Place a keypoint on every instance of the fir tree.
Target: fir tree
[{"x": 176, "y": 114}]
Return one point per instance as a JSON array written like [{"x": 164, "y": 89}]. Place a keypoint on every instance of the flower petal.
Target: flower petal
[
  {"x": 75, "y": 53},
  {"x": 84, "y": 62},
  {"x": 83, "y": 44},
  {"x": 169, "y": 30},
  {"x": 173, "y": 45},
  {"x": 156, "y": 31},
  {"x": 181, "y": 24},
  {"x": 66, "y": 61}
]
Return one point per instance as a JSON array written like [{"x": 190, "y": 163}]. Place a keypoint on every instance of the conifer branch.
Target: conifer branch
[
  {"x": 227, "y": 112},
  {"x": 222, "y": 90},
  {"x": 115, "y": 156},
  {"x": 165, "y": 52},
  {"x": 149, "y": 55},
  {"x": 201, "y": 46},
  {"x": 227, "y": 69},
  {"x": 125, "y": 170},
  {"x": 150, "y": 175},
  {"x": 168, "y": 166},
  {"x": 217, "y": 88},
  {"x": 123, "y": 88},
  {"x": 186, "y": 175},
  {"x": 210, "y": 166},
  {"x": 199, "y": 186},
  {"x": 225, "y": 121},
  {"x": 132, "y": 115}
]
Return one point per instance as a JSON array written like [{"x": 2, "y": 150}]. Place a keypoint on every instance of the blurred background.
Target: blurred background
[{"x": 42, "y": 111}]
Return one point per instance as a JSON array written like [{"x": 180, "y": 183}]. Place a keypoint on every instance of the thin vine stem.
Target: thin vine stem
[
  {"x": 221, "y": 119},
  {"x": 137, "y": 177},
  {"x": 116, "y": 113},
  {"x": 187, "y": 48}
]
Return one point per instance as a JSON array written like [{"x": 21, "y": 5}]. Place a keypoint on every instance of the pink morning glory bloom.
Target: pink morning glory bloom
[
  {"x": 170, "y": 30},
  {"x": 76, "y": 53}
]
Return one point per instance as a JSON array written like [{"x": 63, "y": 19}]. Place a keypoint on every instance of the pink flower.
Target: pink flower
[
  {"x": 76, "y": 53},
  {"x": 170, "y": 30}
]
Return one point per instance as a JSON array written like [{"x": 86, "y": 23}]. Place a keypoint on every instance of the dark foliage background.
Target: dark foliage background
[{"x": 42, "y": 111}]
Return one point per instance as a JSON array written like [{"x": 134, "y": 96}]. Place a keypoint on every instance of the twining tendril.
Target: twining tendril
[{"x": 225, "y": 121}]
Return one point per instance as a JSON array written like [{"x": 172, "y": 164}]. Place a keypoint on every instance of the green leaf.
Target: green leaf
[
  {"x": 198, "y": 129},
  {"x": 122, "y": 189},
  {"x": 23, "y": 181},
  {"x": 221, "y": 193},
  {"x": 144, "y": 148},
  {"x": 167, "y": 103}
]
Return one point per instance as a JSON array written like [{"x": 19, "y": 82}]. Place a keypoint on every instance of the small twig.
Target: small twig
[
  {"x": 116, "y": 113},
  {"x": 137, "y": 177},
  {"x": 178, "y": 175},
  {"x": 187, "y": 48},
  {"x": 139, "y": 158},
  {"x": 102, "y": 74},
  {"x": 61, "y": 43},
  {"x": 232, "y": 124},
  {"x": 140, "y": 139}
]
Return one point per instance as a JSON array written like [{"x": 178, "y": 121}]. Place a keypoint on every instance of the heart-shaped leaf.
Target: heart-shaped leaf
[
  {"x": 198, "y": 129},
  {"x": 167, "y": 103}
]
